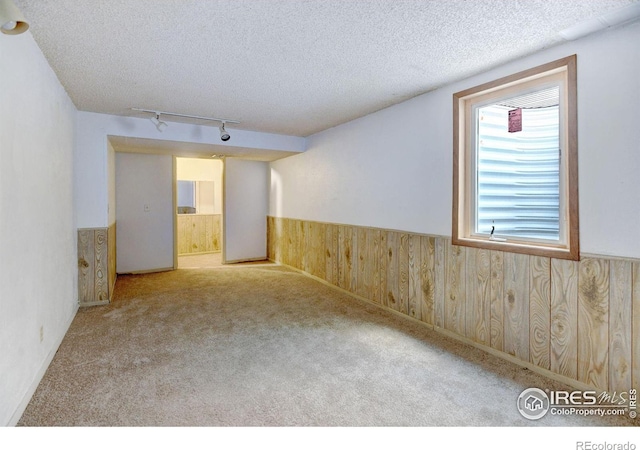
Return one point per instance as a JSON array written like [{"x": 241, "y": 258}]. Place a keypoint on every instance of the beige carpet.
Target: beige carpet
[{"x": 265, "y": 346}]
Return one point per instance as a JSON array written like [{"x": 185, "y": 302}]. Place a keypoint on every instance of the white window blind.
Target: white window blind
[{"x": 518, "y": 174}]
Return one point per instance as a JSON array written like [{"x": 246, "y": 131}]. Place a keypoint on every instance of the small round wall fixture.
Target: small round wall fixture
[{"x": 11, "y": 19}]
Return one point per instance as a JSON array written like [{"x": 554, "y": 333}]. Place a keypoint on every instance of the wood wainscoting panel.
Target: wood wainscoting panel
[
  {"x": 516, "y": 305},
  {"x": 540, "y": 311},
  {"x": 478, "y": 307},
  {"x": 440, "y": 291},
  {"x": 374, "y": 253},
  {"x": 96, "y": 265},
  {"x": 620, "y": 325},
  {"x": 86, "y": 266},
  {"x": 578, "y": 321},
  {"x": 593, "y": 322},
  {"x": 427, "y": 281},
  {"x": 455, "y": 292},
  {"x": 199, "y": 233},
  {"x": 564, "y": 318},
  {"x": 414, "y": 301},
  {"x": 497, "y": 306}
]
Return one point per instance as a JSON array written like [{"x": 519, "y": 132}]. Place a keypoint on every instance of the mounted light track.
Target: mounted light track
[{"x": 224, "y": 134}]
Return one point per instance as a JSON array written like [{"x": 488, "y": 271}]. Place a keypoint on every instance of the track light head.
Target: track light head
[
  {"x": 160, "y": 125},
  {"x": 224, "y": 135},
  {"x": 11, "y": 19}
]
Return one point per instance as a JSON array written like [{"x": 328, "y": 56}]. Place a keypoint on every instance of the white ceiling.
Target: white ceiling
[{"x": 293, "y": 67}]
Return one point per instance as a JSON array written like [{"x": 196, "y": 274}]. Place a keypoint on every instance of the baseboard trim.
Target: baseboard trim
[
  {"x": 142, "y": 272},
  {"x": 235, "y": 261}
]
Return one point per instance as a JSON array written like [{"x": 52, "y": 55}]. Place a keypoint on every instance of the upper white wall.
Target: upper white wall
[
  {"x": 393, "y": 169},
  {"x": 38, "y": 257},
  {"x": 91, "y": 158}
]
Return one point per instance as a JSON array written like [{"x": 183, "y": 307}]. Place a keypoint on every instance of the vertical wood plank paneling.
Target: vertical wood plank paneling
[
  {"x": 306, "y": 257},
  {"x": 374, "y": 255},
  {"x": 454, "y": 307},
  {"x": 353, "y": 274},
  {"x": 392, "y": 295},
  {"x": 345, "y": 253},
  {"x": 564, "y": 318},
  {"x": 516, "y": 305},
  {"x": 635, "y": 326},
  {"x": 540, "y": 311},
  {"x": 497, "y": 304},
  {"x": 364, "y": 264},
  {"x": 278, "y": 239},
  {"x": 270, "y": 238},
  {"x": 331, "y": 243},
  {"x": 86, "y": 266},
  {"x": 478, "y": 301},
  {"x": 111, "y": 257},
  {"x": 593, "y": 322},
  {"x": 209, "y": 234},
  {"x": 217, "y": 233},
  {"x": 620, "y": 323},
  {"x": 303, "y": 243},
  {"x": 316, "y": 249},
  {"x": 101, "y": 266},
  {"x": 440, "y": 290},
  {"x": 415, "y": 268},
  {"x": 579, "y": 320},
  {"x": 403, "y": 273},
  {"x": 427, "y": 278}
]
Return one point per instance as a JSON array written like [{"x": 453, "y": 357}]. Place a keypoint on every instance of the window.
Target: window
[{"x": 515, "y": 167}]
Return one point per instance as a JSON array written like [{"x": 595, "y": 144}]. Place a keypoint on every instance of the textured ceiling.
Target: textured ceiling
[{"x": 293, "y": 67}]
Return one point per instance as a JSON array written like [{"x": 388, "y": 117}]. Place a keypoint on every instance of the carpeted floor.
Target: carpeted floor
[{"x": 265, "y": 346}]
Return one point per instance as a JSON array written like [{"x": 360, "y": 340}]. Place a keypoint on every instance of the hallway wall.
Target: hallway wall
[{"x": 38, "y": 263}]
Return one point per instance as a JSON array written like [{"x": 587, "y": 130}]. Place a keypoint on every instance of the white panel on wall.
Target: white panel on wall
[
  {"x": 246, "y": 207},
  {"x": 144, "y": 212}
]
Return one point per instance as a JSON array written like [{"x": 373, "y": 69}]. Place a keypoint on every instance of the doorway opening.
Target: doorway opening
[{"x": 199, "y": 213}]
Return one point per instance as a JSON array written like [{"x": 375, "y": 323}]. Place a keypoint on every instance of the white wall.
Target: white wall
[
  {"x": 111, "y": 184},
  {"x": 393, "y": 169},
  {"x": 245, "y": 218},
  {"x": 91, "y": 157},
  {"x": 38, "y": 257},
  {"x": 144, "y": 235}
]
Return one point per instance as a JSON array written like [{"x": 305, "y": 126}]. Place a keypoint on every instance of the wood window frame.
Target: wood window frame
[{"x": 462, "y": 153}]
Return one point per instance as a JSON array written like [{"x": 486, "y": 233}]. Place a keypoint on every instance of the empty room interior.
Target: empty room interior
[{"x": 319, "y": 213}]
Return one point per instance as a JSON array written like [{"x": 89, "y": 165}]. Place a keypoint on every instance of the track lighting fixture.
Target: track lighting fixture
[
  {"x": 11, "y": 19},
  {"x": 224, "y": 135},
  {"x": 160, "y": 125}
]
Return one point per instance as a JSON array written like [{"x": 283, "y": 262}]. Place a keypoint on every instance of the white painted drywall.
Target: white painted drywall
[
  {"x": 245, "y": 218},
  {"x": 393, "y": 169},
  {"x": 91, "y": 157},
  {"x": 38, "y": 257},
  {"x": 111, "y": 184},
  {"x": 144, "y": 212}
]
